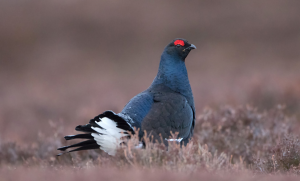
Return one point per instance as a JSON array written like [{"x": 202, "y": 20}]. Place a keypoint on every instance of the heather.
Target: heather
[{"x": 63, "y": 62}]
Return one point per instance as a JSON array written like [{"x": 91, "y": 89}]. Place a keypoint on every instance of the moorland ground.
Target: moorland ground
[{"x": 63, "y": 63}]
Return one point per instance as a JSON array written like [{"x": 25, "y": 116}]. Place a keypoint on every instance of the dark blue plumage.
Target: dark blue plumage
[{"x": 166, "y": 106}]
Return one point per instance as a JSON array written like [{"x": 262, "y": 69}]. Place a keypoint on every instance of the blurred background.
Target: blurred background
[{"x": 63, "y": 62}]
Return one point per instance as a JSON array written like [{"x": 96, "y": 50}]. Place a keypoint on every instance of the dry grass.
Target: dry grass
[
  {"x": 240, "y": 140},
  {"x": 243, "y": 132},
  {"x": 63, "y": 62}
]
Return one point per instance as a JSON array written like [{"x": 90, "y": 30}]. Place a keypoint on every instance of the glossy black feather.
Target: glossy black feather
[
  {"x": 121, "y": 123},
  {"x": 88, "y": 147},
  {"x": 83, "y": 143},
  {"x": 91, "y": 143},
  {"x": 85, "y": 128},
  {"x": 80, "y": 136}
]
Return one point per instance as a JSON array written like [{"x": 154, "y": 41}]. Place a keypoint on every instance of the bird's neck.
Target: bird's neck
[{"x": 172, "y": 73}]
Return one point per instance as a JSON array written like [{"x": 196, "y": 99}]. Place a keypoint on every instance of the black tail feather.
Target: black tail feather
[
  {"x": 59, "y": 154},
  {"x": 88, "y": 147},
  {"x": 85, "y": 128},
  {"x": 80, "y": 136},
  {"x": 83, "y": 144},
  {"x": 121, "y": 123},
  {"x": 93, "y": 121},
  {"x": 90, "y": 143}
]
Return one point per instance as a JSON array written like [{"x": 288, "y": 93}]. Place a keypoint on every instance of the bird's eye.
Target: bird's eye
[{"x": 178, "y": 45}]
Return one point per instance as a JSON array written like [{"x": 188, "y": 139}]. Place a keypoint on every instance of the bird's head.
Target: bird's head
[{"x": 179, "y": 48}]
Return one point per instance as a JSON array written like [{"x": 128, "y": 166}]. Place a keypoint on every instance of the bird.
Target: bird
[{"x": 166, "y": 107}]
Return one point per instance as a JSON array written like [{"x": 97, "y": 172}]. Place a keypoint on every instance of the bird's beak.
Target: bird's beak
[{"x": 192, "y": 46}]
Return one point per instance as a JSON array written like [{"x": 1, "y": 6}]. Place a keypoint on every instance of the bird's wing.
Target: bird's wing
[{"x": 137, "y": 108}]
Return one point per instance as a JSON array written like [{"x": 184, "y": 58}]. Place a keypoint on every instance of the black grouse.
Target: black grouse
[{"x": 166, "y": 106}]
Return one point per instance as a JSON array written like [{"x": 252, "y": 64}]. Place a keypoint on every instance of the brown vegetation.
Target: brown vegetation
[{"x": 63, "y": 62}]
